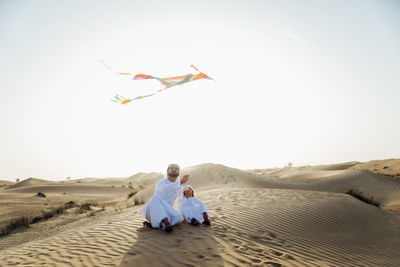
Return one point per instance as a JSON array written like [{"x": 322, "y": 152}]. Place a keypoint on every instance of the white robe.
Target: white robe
[
  {"x": 193, "y": 207},
  {"x": 160, "y": 205}
]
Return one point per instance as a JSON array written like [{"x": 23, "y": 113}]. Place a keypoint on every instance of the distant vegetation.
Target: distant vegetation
[
  {"x": 359, "y": 196},
  {"x": 138, "y": 201},
  {"x": 131, "y": 194},
  {"x": 26, "y": 221},
  {"x": 86, "y": 206}
]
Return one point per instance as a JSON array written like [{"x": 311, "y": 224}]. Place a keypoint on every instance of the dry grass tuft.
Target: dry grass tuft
[
  {"x": 138, "y": 201},
  {"x": 26, "y": 221},
  {"x": 86, "y": 206},
  {"x": 131, "y": 194},
  {"x": 359, "y": 196}
]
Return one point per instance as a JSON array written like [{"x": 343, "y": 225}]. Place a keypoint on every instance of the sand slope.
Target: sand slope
[
  {"x": 250, "y": 227},
  {"x": 30, "y": 182},
  {"x": 270, "y": 226},
  {"x": 328, "y": 178},
  {"x": 266, "y": 217},
  {"x": 6, "y": 183},
  {"x": 390, "y": 167}
]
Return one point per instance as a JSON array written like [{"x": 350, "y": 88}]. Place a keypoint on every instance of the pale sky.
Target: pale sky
[{"x": 308, "y": 82}]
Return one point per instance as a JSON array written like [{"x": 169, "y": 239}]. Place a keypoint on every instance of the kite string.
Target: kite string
[
  {"x": 130, "y": 74},
  {"x": 194, "y": 68},
  {"x": 104, "y": 64},
  {"x": 110, "y": 69}
]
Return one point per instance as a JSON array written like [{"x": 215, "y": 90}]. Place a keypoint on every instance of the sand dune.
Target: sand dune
[
  {"x": 30, "y": 182},
  {"x": 272, "y": 226},
  {"x": 295, "y": 216},
  {"x": 5, "y": 183},
  {"x": 337, "y": 178},
  {"x": 390, "y": 167}
]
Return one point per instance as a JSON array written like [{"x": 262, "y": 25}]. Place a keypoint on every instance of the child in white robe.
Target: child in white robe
[{"x": 193, "y": 209}]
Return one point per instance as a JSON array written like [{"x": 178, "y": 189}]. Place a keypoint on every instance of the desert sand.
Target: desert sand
[{"x": 292, "y": 216}]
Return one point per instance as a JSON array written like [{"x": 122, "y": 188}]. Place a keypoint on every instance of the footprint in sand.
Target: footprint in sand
[
  {"x": 274, "y": 264},
  {"x": 255, "y": 237},
  {"x": 282, "y": 241},
  {"x": 277, "y": 253},
  {"x": 242, "y": 261},
  {"x": 289, "y": 257},
  {"x": 272, "y": 235}
]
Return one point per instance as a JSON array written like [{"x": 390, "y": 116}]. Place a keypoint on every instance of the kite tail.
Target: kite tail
[
  {"x": 194, "y": 68},
  {"x": 142, "y": 77},
  {"x": 119, "y": 99},
  {"x": 110, "y": 69},
  {"x": 122, "y": 100},
  {"x": 104, "y": 64},
  {"x": 201, "y": 74}
]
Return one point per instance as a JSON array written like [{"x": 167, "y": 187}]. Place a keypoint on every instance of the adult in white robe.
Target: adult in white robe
[
  {"x": 159, "y": 210},
  {"x": 193, "y": 209}
]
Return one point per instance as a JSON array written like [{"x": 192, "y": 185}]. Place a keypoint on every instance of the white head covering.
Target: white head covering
[
  {"x": 173, "y": 164},
  {"x": 180, "y": 197},
  {"x": 187, "y": 186}
]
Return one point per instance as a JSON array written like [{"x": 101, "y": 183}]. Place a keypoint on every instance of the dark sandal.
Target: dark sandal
[
  {"x": 168, "y": 228},
  {"x": 194, "y": 222},
  {"x": 147, "y": 224}
]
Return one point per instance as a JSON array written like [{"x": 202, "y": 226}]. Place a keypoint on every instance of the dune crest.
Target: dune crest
[{"x": 30, "y": 182}]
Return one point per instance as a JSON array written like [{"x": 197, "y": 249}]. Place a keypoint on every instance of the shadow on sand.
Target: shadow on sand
[{"x": 186, "y": 245}]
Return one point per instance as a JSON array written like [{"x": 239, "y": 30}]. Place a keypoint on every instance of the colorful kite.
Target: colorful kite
[{"x": 166, "y": 82}]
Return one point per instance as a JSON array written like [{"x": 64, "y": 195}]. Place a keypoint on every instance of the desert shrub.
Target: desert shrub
[
  {"x": 35, "y": 219},
  {"x": 40, "y": 194},
  {"x": 70, "y": 204},
  {"x": 25, "y": 221},
  {"x": 138, "y": 201},
  {"x": 92, "y": 213},
  {"x": 86, "y": 206},
  {"x": 15, "y": 223},
  {"x": 47, "y": 214},
  {"x": 131, "y": 194},
  {"x": 359, "y": 196}
]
